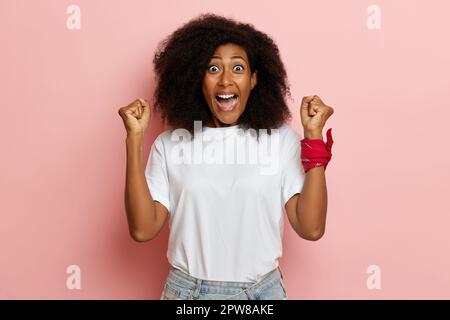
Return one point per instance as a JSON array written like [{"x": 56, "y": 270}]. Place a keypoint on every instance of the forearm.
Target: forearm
[
  {"x": 139, "y": 204},
  {"x": 312, "y": 204},
  {"x": 311, "y": 207}
]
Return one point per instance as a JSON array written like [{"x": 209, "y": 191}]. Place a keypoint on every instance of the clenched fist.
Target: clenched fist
[
  {"x": 136, "y": 116},
  {"x": 314, "y": 113}
]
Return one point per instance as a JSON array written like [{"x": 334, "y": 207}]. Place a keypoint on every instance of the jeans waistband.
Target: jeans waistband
[{"x": 189, "y": 281}]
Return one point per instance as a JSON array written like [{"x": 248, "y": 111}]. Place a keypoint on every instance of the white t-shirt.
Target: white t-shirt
[{"x": 225, "y": 194}]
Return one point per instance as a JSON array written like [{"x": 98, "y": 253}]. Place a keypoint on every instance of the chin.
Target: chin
[{"x": 228, "y": 119}]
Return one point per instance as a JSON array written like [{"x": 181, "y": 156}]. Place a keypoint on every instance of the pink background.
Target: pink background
[{"x": 63, "y": 143}]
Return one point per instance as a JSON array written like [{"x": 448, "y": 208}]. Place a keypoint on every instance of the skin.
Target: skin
[
  {"x": 228, "y": 70},
  {"x": 145, "y": 216},
  {"x": 306, "y": 210}
]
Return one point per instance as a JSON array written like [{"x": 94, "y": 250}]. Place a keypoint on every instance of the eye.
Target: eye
[
  {"x": 210, "y": 68},
  {"x": 239, "y": 66}
]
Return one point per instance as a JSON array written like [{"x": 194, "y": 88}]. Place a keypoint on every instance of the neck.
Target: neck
[{"x": 217, "y": 124}]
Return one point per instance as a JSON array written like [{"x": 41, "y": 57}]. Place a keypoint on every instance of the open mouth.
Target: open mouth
[{"x": 227, "y": 102}]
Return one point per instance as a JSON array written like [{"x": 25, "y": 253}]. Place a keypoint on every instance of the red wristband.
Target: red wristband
[{"x": 315, "y": 152}]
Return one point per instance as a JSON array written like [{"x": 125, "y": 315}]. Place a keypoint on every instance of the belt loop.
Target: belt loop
[{"x": 196, "y": 291}]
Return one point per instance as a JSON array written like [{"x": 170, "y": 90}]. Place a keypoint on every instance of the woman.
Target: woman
[{"x": 221, "y": 87}]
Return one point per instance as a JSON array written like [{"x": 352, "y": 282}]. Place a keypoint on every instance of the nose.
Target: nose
[{"x": 225, "y": 78}]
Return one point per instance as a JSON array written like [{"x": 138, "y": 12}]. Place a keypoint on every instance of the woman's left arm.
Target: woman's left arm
[
  {"x": 311, "y": 208},
  {"x": 307, "y": 210}
]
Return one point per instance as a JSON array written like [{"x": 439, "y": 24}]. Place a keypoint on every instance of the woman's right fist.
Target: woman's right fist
[{"x": 136, "y": 116}]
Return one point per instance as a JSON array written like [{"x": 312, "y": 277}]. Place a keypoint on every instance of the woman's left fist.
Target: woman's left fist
[{"x": 314, "y": 113}]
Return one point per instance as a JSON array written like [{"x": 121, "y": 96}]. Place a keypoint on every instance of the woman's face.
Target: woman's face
[{"x": 227, "y": 84}]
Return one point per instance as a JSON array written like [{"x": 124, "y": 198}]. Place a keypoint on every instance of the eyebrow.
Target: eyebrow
[{"x": 233, "y": 57}]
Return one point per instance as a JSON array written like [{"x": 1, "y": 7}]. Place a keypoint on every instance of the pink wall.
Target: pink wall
[{"x": 63, "y": 143}]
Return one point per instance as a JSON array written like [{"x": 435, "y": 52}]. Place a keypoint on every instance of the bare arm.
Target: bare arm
[{"x": 307, "y": 211}]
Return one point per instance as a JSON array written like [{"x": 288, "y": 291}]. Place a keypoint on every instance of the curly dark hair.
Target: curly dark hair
[{"x": 182, "y": 58}]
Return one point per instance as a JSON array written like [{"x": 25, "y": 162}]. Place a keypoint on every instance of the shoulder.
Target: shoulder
[
  {"x": 288, "y": 134},
  {"x": 169, "y": 139},
  {"x": 289, "y": 142},
  {"x": 163, "y": 137},
  {"x": 162, "y": 141}
]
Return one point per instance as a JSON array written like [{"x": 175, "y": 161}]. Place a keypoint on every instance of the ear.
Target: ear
[{"x": 254, "y": 79}]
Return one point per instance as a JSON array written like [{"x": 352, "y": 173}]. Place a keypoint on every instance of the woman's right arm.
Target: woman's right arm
[{"x": 145, "y": 217}]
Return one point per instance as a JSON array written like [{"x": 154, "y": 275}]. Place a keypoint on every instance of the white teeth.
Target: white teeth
[{"x": 225, "y": 96}]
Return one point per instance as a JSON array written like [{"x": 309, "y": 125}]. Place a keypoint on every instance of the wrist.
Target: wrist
[
  {"x": 133, "y": 137},
  {"x": 312, "y": 135}
]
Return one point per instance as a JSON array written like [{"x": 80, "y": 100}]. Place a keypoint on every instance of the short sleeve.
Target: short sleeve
[
  {"x": 292, "y": 172},
  {"x": 156, "y": 174}
]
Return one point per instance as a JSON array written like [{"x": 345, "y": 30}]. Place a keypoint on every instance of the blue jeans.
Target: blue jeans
[{"x": 181, "y": 286}]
